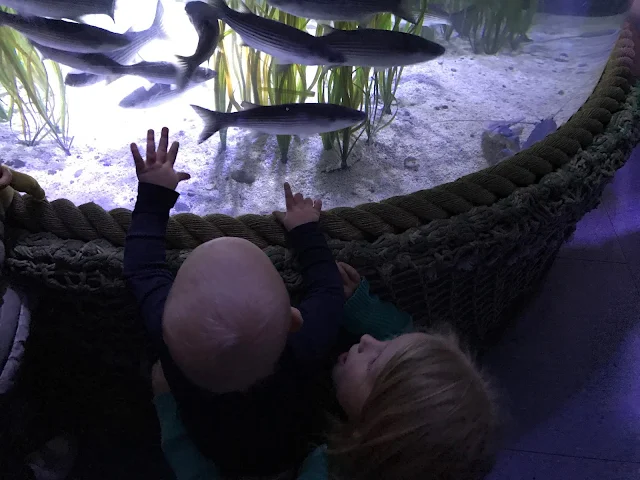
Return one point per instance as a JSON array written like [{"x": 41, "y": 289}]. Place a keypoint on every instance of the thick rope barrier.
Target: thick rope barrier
[{"x": 365, "y": 222}]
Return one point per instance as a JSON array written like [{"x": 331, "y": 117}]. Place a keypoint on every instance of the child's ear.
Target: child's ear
[{"x": 296, "y": 320}]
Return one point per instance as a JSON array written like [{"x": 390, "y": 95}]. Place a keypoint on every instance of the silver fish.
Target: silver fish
[
  {"x": 286, "y": 44},
  {"x": 96, "y": 63},
  {"x": 64, "y": 35},
  {"x": 125, "y": 55},
  {"x": 158, "y": 94},
  {"x": 162, "y": 72},
  {"x": 349, "y": 10},
  {"x": 208, "y": 29},
  {"x": 367, "y": 47},
  {"x": 62, "y": 8},
  {"x": 288, "y": 119},
  {"x": 461, "y": 21},
  {"x": 100, "y": 64}
]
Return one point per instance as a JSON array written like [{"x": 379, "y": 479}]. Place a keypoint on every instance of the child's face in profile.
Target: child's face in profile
[{"x": 356, "y": 370}]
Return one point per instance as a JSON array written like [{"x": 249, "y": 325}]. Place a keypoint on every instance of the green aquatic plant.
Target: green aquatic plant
[
  {"x": 359, "y": 88},
  {"x": 32, "y": 94},
  {"x": 490, "y": 25},
  {"x": 247, "y": 75}
]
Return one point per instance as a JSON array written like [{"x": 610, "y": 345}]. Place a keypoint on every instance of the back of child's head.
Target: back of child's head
[
  {"x": 430, "y": 416},
  {"x": 227, "y": 316}
]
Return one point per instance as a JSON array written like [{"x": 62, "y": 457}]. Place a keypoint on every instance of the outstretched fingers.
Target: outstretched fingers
[
  {"x": 137, "y": 158},
  {"x": 163, "y": 144},
  {"x": 173, "y": 153},
  {"x": 182, "y": 176},
  {"x": 151, "y": 146}
]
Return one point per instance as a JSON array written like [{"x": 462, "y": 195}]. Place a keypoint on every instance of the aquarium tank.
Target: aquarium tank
[{"x": 349, "y": 101}]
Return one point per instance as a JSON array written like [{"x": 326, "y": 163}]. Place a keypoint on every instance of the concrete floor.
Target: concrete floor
[{"x": 570, "y": 367}]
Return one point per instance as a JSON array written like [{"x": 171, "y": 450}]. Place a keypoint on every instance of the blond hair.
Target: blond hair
[{"x": 430, "y": 415}]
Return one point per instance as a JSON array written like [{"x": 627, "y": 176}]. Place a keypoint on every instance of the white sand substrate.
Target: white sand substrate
[{"x": 444, "y": 106}]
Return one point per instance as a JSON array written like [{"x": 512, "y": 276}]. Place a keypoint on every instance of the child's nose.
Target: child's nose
[{"x": 367, "y": 341}]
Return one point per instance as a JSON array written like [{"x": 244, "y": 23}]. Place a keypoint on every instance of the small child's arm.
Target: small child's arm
[
  {"x": 183, "y": 456},
  {"x": 145, "y": 268},
  {"x": 323, "y": 301},
  {"x": 366, "y": 313}
]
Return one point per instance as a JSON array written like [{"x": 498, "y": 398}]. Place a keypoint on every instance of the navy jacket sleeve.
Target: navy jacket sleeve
[
  {"x": 145, "y": 267},
  {"x": 323, "y": 302}
]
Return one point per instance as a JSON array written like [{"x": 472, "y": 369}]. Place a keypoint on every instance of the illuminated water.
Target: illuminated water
[{"x": 444, "y": 108}]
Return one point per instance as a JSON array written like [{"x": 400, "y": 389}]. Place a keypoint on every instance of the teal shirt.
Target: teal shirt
[{"x": 364, "y": 314}]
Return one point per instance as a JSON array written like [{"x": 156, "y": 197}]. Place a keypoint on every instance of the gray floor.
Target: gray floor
[{"x": 570, "y": 367}]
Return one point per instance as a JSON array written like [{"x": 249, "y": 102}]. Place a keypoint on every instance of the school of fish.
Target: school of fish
[{"x": 95, "y": 54}]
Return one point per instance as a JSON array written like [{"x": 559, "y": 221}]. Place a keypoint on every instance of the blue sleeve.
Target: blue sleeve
[
  {"x": 315, "y": 466},
  {"x": 183, "y": 456},
  {"x": 145, "y": 267},
  {"x": 323, "y": 301},
  {"x": 366, "y": 313}
]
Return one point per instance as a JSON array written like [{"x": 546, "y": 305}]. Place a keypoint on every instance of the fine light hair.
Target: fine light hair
[
  {"x": 431, "y": 415},
  {"x": 227, "y": 316}
]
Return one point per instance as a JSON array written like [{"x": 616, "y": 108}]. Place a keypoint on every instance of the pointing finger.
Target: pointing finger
[{"x": 288, "y": 196}]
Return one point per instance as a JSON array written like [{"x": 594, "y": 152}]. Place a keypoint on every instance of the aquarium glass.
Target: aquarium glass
[{"x": 509, "y": 68}]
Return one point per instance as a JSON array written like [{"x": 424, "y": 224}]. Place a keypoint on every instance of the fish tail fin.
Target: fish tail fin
[
  {"x": 158, "y": 23},
  {"x": 186, "y": 71},
  {"x": 408, "y": 10},
  {"x": 213, "y": 122},
  {"x": 110, "y": 9}
]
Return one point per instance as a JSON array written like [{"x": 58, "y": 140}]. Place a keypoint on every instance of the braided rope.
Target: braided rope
[{"x": 369, "y": 221}]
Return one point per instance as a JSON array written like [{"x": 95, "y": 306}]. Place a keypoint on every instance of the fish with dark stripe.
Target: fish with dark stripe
[
  {"x": 366, "y": 47},
  {"x": 208, "y": 30},
  {"x": 65, "y": 35},
  {"x": 154, "y": 96},
  {"x": 349, "y": 10},
  {"x": 302, "y": 119},
  {"x": 99, "y": 64},
  {"x": 287, "y": 44},
  {"x": 62, "y": 8},
  {"x": 123, "y": 56}
]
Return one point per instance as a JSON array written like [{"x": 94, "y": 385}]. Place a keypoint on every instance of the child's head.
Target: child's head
[
  {"x": 227, "y": 317},
  {"x": 418, "y": 408}
]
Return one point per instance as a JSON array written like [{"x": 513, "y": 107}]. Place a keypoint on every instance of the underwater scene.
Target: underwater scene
[{"x": 351, "y": 101}]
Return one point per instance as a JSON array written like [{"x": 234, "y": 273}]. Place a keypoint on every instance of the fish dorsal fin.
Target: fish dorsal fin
[
  {"x": 327, "y": 29},
  {"x": 248, "y": 105},
  {"x": 242, "y": 8}
]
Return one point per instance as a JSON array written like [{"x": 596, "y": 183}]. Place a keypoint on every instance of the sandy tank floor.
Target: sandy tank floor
[{"x": 444, "y": 107}]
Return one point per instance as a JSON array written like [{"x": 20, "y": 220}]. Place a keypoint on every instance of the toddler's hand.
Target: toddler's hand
[
  {"x": 350, "y": 279},
  {"x": 300, "y": 210},
  {"x": 158, "y": 167},
  {"x": 158, "y": 382}
]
